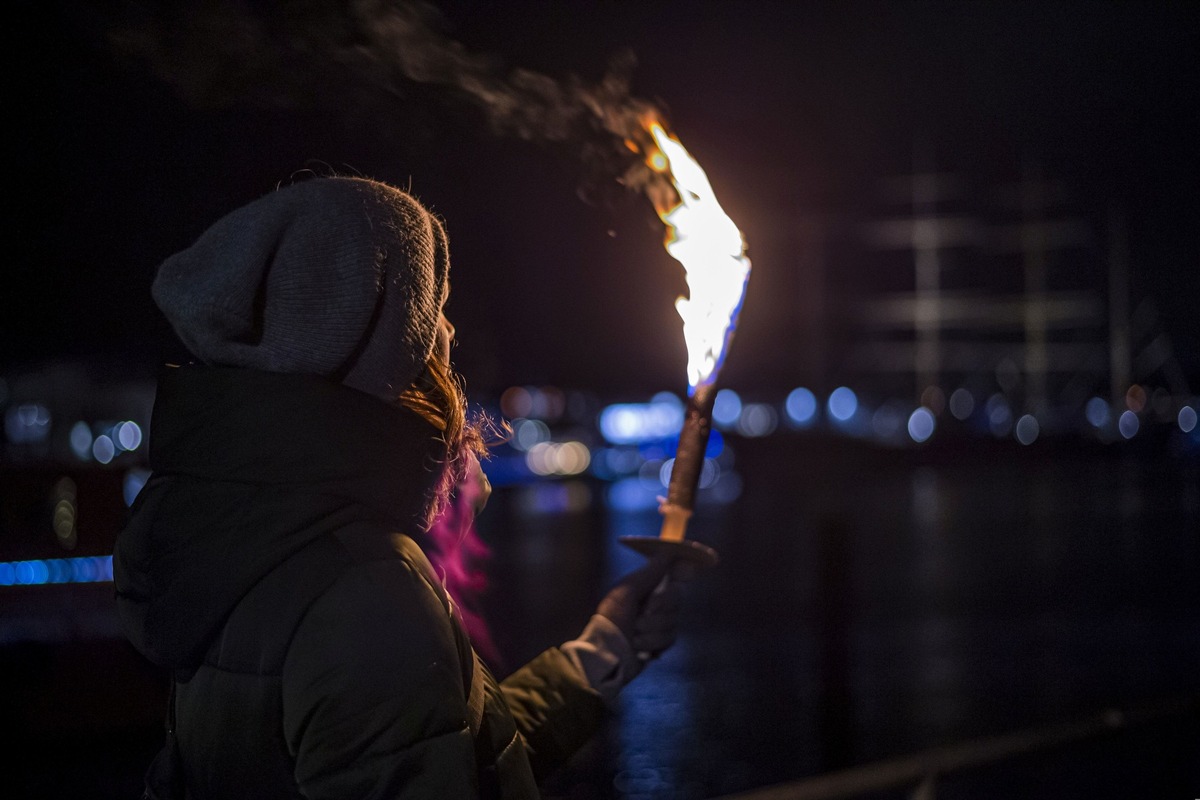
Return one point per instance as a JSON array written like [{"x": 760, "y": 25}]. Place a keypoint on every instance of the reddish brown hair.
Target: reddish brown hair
[{"x": 439, "y": 398}]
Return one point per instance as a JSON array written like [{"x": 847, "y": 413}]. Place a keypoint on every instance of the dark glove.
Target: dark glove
[
  {"x": 645, "y": 605},
  {"x": 635, "y": 622}
]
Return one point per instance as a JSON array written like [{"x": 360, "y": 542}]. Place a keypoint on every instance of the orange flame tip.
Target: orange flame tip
[{"x": 712, "y": 250}]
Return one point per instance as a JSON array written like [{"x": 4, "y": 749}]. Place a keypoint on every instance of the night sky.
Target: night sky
[{"x": 797, "y": 111}]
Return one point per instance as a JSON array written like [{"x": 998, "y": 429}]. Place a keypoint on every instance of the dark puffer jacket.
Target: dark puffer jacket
[{"x": 314, "y": 651}]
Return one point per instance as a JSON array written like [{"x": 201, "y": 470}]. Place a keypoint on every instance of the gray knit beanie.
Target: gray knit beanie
[{"x": 339, "y": 277}]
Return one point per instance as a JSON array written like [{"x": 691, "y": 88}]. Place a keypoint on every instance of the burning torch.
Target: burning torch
[{"x": 701, "y": 237}]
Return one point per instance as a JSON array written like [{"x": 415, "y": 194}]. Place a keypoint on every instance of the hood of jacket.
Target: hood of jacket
[{"x": 248, "y": 467}]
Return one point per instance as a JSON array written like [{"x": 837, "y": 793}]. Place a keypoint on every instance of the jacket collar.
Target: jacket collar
[{"x": 295, "y": 431}]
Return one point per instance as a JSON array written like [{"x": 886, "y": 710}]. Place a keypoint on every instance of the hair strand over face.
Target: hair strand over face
[{"x": 438, "y": 397}]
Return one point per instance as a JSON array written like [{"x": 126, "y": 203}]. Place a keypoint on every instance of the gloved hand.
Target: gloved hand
[
  {"x": 645, "y": 605},
  {"x": 635, "y": 622}
]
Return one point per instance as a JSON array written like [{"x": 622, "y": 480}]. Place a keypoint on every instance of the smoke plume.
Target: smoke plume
[{"x": 307, "y": 54}]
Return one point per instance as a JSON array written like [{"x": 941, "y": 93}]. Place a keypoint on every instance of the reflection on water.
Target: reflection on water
[
  {"x": 869, "y": 603},
  {"x": 872, "y": 604}
]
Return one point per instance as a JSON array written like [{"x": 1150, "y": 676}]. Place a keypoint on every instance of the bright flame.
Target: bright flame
[{"x": 701, "y": 237}]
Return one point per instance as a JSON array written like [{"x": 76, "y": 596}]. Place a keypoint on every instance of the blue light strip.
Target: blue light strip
[{"x": 93, "y": 569}]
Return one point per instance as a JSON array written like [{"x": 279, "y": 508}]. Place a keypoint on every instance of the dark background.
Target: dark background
[
  {"x": 796, "y": 110},
  {"x": 873, "y": 600}
]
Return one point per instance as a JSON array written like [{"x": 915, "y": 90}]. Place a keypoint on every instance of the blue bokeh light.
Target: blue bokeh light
[
  {"x": 81, "y": 440},
  {"x": 631, "y": 494},
  {"x": 999, "y": 415},
  {"x": 27, "y": 423},
  {"x": 103, "y": 449},
  {"x": 727, "y": 408},
  {"x": 921, "y": 424},
  {"x": 962, "y": 403},
  {"x": 758, "y": 419},
  {"x": 842, "y": 403},
  {"x": 1027, "y": 429},
  {"x": 887, "y": 421},
  {"x": 128, "y": 435},
  {"x": 633, "y": 423},
  {"x": 1096, "y": 412},
  {"x": 801, "y": 406},
  {"x": 1128, "y": 424},
  {"x": 85, "y": 569}
]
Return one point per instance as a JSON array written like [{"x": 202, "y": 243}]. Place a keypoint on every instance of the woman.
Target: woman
[{"x": 273, "y": 561}]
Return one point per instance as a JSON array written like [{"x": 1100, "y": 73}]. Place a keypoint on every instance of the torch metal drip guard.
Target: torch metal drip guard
[{"x": 681, "y": 493}]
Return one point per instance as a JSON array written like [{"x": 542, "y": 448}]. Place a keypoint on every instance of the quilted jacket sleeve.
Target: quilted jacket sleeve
[
  {"x": 373, "y": 703},
  {"x": 555, "y": 709}
]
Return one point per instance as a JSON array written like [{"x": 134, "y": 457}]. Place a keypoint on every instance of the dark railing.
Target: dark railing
[{"x": 920, "y": 771}]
